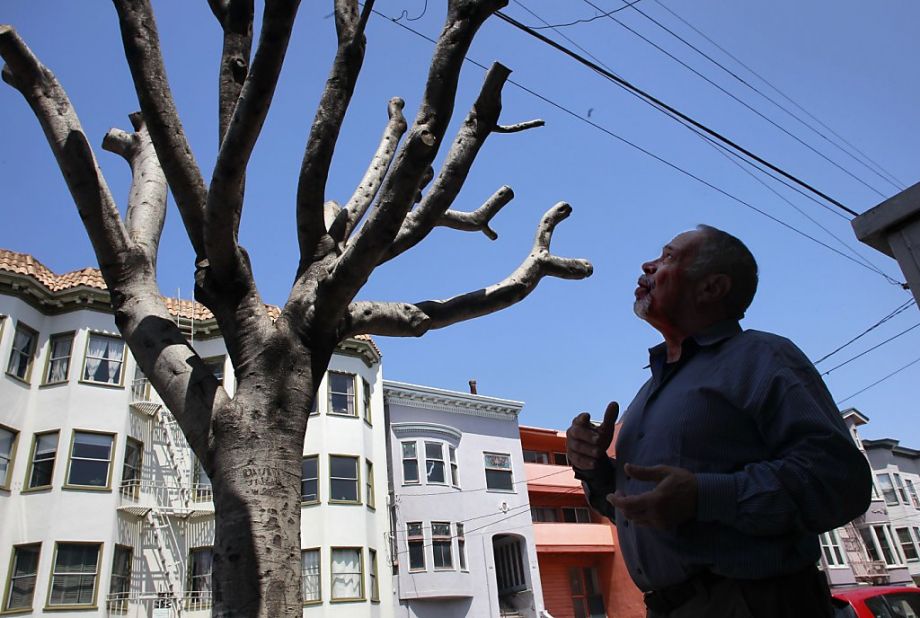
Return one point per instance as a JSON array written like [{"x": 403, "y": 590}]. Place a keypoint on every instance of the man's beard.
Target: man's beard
[{"x": 642, "y": 305}]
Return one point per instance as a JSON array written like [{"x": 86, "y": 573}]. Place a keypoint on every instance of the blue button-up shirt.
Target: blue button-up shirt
[{"x": 748, "y": 413}]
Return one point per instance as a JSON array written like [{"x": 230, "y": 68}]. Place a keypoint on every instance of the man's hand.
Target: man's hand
[
  {"x": 586, "y": 445},
  {"x": 672, "y": 502}
]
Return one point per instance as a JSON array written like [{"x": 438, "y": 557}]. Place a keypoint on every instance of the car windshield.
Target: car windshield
[{"x": 895, "y": 605}]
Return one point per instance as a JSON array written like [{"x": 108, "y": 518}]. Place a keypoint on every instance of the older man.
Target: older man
[{"x": 732, "y": 457}]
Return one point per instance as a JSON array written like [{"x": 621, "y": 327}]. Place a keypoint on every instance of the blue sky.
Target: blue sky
[{"x": 571, "y": 346}]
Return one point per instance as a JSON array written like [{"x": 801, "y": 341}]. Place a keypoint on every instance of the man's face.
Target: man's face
[{"x": 664, "y": 290}]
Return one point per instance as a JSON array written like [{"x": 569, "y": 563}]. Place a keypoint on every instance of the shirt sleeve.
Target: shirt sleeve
[
  {"x": 815, "y": 477},
  {"x": 597, "y": 484}
]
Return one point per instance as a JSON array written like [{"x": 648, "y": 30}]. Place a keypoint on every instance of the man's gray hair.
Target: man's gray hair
[{"x": 722, "y": 253}]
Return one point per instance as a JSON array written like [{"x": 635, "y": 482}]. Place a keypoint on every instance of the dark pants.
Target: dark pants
[{"x": 800, "y": 595}]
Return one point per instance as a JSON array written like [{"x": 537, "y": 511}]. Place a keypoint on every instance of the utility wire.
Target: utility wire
[
  {"x": 741, "y": 102},
  {"x": 658, "y": 102},
  {"x": 875, "y": 347},
  {"x": 899, "y": 184},
  {"x": 877, "y": 382},
  {"x": 761, "y": 93},
  {"x": 648, "y": 153},
  {"x": 589, "y": 19},
  {"x": 900, "y": 309}
]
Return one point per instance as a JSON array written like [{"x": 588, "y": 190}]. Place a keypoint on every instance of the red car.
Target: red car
[{"x": 877, "y": 602}]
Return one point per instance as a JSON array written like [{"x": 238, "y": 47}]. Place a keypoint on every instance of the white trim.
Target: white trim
[
  {"x": 406, "y": 430},
  {"x": 414, "y": 396}
]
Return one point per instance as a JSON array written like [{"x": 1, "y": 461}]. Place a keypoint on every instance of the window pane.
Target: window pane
[
  {"x": 342, "y": 393},
  {"x": 21, "y": 353},
  {"x": 73, "y": 581},
  {"x": 410, "y": 471},
  {"x": 120, "y": 584},
  {"x": 59, "y": 358},
  {"x": 131, "y": 470},
  {"x": 347, "y": 578},
  {"x": 103, "y": 359},
  {"x": 22, "y": 578},
  {"x": 369, "y": 483},
  {"x": 496, "y": 479},
  {"x": 309, "y": 480},
  {"x": 7, "y": 438},
  {"x": 494, "y": 460},
  {"x": 416, "y": 555},
  {"x": 346, "y": 467},
  {"x": 372, "y": 574},
  {"x": 343, "y": 477},
  {"x": 560, "y": 459},
  {"x": 43, "y": 460},
  {"x": 89, "y": 460},
  {"x": 310, "y": 575},
  {"x": 409, "y": 449}
]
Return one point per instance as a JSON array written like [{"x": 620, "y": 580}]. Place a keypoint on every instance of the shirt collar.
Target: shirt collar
[{"x": 718, "y": 332}]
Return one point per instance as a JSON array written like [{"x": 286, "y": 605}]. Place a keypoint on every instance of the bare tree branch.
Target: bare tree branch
[
  {"x": 464, "y": 17},
  {"x": 59, "y": 121},
  {"x": 142, "y": 51},
  {"x": 324, "y": 133},
  {"x": 225, "y": 198},
  {"x": 147, "y": 198},
  {"x": 367, "y": 190},
  {"x": 479, "y": 219},
  {"x": 414, "y": 320},
  {"x": 517, "y": 128},
  {"x": 477, "y": 126},
  {"x": 235, "y": 18}
]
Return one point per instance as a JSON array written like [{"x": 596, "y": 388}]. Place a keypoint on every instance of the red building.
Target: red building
[{"x": 583, "y": 575}]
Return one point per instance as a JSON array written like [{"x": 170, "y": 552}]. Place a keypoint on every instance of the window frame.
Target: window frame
[
  {"x": 461, "y": 548},
  {"x": 331, "y": 393},
  {"x": 198, "y": 603},
  {"x": 369, "y": 500},
  {"x": 889, "y": 490},
  {"x": 30, "y": 471},
  {"x": 372, "y": 575},
  {"x": 419, "y": 538},
  {"x": 535, "y": 457},
  {"x": 319, "y": 575},
  {"x": 357, "y": 479},
  {"x": 8, "y": 589},
  {"x": 133, "y": 489},
  {"x": 201, "y": 492},
  {"x": 576, "y": 511},
  {"x": 27, "y": 378},
  {"x": 454, "y": 466},
  {"x": 510, "y": 471},
  {"x": 893, "y": 547},
  {"x": 912, "y": 491},
  {"x": 209, "y": 361},
  {"x": 366, "y": 401},
  {"x": 831, "y": 545},
  {"x": 332, "y": 574},
  {"x": 119, "y": 605},
  {"x": 911, "y": 543},
  {"x": 442, "y": 540},
  {"x": 108, "y": 480},
  {"x": 50, "y": 359},
  {"x": 121, "y": 372},
  {"x": 316, "y": 479},
  {"x": 418, "y": 476},
  {"x": 53, "y": 573},
  {"x": 442, "y": 461},
  {"x": 5, "y": 483}
]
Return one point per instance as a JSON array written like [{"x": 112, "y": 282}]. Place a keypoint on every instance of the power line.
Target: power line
[
  {"x": 899, "y": 184},
  {"x": 648, "y": 153},
  {"x": 589, "y": 19},
  {"x": 877, "y": 382},
  {"x": 901, "y": 308},
  {"x": 875, "y": 347},
  {"x": 658, "y": 102},
  {"x": 745, "y": 104}
]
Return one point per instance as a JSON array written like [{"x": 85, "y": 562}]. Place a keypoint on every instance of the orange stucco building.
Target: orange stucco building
[{"x": 582, "y": 573}]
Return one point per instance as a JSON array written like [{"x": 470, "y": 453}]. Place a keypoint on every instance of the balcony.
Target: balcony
[
  {"x": 547, "y": 478},
  {"x": 573, "y": 538}
]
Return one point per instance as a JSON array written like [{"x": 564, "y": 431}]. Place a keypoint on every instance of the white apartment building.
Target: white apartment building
[
  {"x": 104, "y": 509},
  {"x": 463, "y": 538}
]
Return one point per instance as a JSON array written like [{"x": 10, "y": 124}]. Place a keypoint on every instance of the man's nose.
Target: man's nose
[{"x": 648, "y": 268}]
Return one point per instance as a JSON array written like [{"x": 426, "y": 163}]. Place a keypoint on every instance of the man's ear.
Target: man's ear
[{"x": 713, "y": 288}]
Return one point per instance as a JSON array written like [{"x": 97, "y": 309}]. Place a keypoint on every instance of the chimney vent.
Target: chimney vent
[{"x": 473, "y": 387}]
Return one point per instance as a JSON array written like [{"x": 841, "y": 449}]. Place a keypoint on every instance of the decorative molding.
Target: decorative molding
[
  {"x": 405, "y": 430},
  {"x": 413, "y": 396}
]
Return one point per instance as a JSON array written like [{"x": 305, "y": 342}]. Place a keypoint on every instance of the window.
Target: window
[
  {"x": 216, "y": 365},
  {"x": 908, "y": 547},
  {"x": 416, "y": 540},
  {"x": 543, "y": 514},
  {"x": 576, "y": 515},
  {"x": 914, "y": 500},
  {"x": 44, "y": 451},
  {"x": 8, "y": 439},
  {"x": 560, "y": 459},
  {"x": 886, "y": 546},
  {"x": 902, "y": 492},
  {"x": 869, "y": 542},
  {"x": 76, "y": 570},
  {"x": 310, "y": 576},
  {"x": 120, "y": 584},
  {"x": 59, "y": 351},
  {"x": 830, "y": 547},
  {"x": 884, "y": 482},
  {"x": 441, "y": 545},
  {"x": 309, "y": 479},
  {"x": 347, "y": 574},
  {"x": 454, "y": 471},
  {"x": 104, "y": 357},
  {"x": 410, "y": 462},
  {"x": 23, "y": 571},
  {"x": 366, "y": 393},
  {"x": 498, "y": 471},
  {"x": 90, "y": 456},
  {"x": 372, "y": 574},
  {"x": 370, "y": 484},
  {"x": 434, "y": 462},
  {"x": 461, "y": 547},
  {"x": 342, "y": 393},
  {"x": 201, "y": 483},
  {"x": 343, "y": 479},
  {"x": 198, "y": 585},
  {"x": 24, "y": 343},
  {"x": 131, "y": 469},
  {"x": 587, "y": 600},
  {"x": 536, "y": 457}
]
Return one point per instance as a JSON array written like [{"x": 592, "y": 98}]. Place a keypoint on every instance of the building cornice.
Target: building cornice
[
  {"x": 414, "y": 396},
  {"x": 405, "y": 430}
]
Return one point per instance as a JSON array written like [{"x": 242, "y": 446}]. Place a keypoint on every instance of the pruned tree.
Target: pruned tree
[{"x": 278, "y": 362}]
